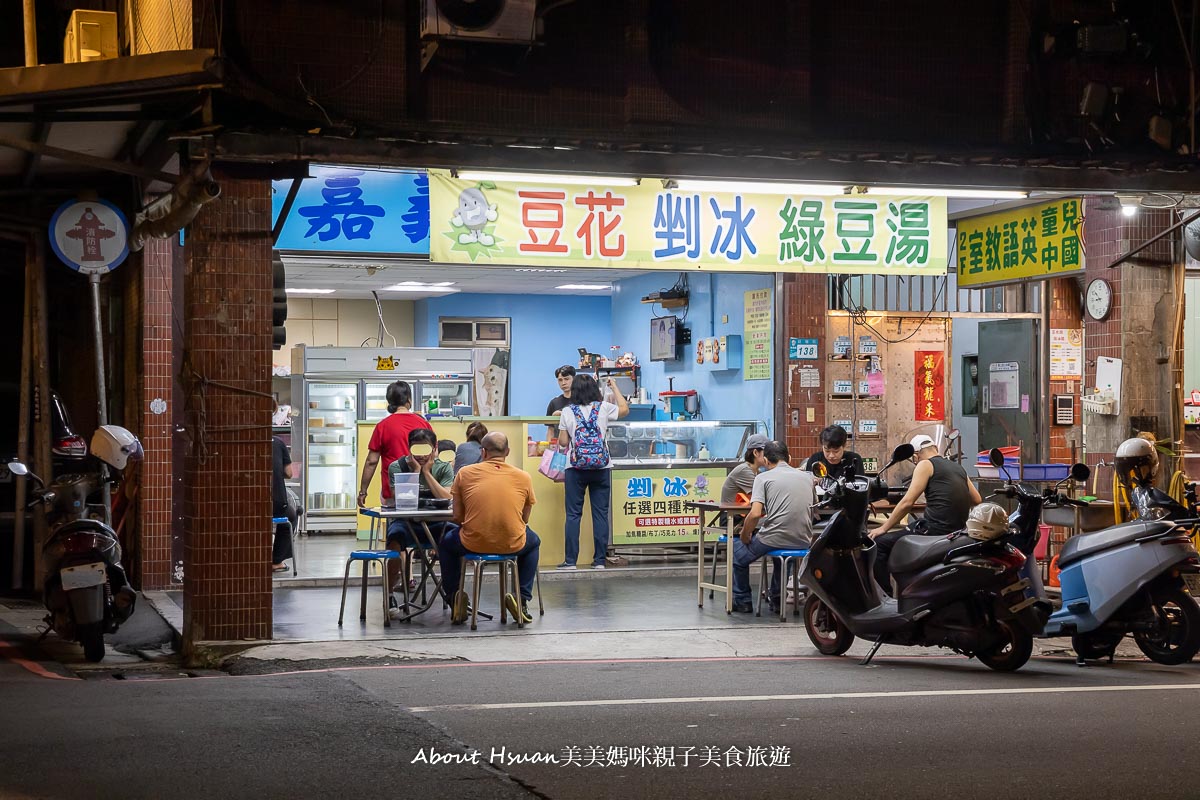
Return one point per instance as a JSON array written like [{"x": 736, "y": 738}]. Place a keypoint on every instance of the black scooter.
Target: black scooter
[{"x": 952, "y": 591}]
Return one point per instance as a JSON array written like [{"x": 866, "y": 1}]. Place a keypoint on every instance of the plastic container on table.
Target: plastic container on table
[
  {"x": 1045, "y": 472},
  {"x": 406, "y": 486}
]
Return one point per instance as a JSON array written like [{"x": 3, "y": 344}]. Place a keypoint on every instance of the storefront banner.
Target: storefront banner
[
  {"x": 651, "y": 227},
  {"x": 355, "y": 210},
  {"x": 929, "y": 388},
  {"x": 757, "y": 330},
  {"x": 1029, "y": 243},
  {"x": 648, "y": 504}
]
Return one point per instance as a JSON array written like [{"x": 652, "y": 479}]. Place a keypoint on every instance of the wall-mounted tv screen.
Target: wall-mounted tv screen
[{"x": 664, "y": 339}]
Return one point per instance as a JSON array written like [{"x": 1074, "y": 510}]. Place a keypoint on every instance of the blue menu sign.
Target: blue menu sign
[{"x": 356, "y": 210}]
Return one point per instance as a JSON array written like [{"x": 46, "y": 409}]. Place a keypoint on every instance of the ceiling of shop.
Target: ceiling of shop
[{"x": 357, "y": 277}]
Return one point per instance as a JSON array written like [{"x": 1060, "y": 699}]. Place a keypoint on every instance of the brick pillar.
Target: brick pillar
[
  {"x": 805, "y": 301},
  {"x": 1065, "y": 313},
  {"x": 1138, "y": 330},
  {"x": 227, "y": 380},
  {"x": 157, "y": 403}
]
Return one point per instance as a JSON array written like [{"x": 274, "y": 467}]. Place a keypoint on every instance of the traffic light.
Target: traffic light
[{"x": 279, "y": 302}]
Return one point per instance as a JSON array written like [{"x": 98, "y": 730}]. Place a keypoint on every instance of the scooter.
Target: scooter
[
  {"x": 952, "y": 591},
  {"x": 1132, "y": 578},
  {"x": 84, "y": 586}
]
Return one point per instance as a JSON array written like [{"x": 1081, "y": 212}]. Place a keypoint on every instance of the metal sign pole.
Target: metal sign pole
[{"x": 101, "y": 391}]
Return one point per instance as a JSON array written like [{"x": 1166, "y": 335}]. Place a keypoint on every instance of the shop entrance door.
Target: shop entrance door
[{"x": 1008, "y": 375}]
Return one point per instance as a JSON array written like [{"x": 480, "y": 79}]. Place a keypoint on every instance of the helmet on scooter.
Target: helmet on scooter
[
  {"x": 1136, "y": 462},
  {"x": 116, "y": 446},
  {"x": 987, "y": 521}
]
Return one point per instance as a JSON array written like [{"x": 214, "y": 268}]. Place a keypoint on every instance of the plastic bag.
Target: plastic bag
[{"x": 554, "y": 464}]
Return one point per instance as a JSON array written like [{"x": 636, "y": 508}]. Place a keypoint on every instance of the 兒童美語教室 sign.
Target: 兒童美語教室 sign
[{"x": 1028, "y": 243}]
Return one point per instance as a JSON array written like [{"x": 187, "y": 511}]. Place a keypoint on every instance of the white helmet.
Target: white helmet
[
  {"x": 987, "y": 521},
  {"x": 116, "y": 446}
]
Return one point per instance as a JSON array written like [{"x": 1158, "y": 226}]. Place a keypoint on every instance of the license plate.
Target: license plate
[
  {"x": 83, "y": 576},
  {"x": 1193, "y": 584}
]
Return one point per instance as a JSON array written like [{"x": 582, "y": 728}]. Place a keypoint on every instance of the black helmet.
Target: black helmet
[{"x": 1136, "y": 462}]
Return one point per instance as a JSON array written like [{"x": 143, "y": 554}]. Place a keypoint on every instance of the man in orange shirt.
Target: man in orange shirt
[{"x": 491, "y": 501}]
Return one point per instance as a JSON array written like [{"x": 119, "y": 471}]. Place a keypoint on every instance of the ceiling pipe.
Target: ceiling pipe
[{"x": 166, "y": 215}]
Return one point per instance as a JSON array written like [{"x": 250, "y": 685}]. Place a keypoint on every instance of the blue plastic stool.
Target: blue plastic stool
[
  {"x": 276, "y": 522},
  {"x": 790, "y": 568},
  {"x": 508, "y": 568},
  {"x": 366, "y": 558}
]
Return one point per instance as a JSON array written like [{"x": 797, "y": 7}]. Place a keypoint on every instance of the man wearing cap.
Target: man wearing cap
[
  {"x": 741, "y": 478},
  {"x": 949, "y": 496}
]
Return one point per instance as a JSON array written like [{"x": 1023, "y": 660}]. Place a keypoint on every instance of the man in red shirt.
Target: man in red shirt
[{"x": 390, "y": 439}]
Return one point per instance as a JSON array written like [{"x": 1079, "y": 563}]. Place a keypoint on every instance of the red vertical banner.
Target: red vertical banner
[{"x": 929, "y": 390}]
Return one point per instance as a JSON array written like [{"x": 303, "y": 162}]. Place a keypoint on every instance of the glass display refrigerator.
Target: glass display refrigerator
[{"x": 336, "y": 387}]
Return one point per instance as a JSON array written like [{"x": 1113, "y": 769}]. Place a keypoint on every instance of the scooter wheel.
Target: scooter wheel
[
  {"x": 92, "y": 639},
  {"x": 825, "y": 630},
  {"x": 1179, "y": 640},
  {"x": 1014, "y": 649}
]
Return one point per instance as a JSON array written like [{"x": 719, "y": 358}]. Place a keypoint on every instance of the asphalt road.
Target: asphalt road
[{"x": 915, "y": 727}]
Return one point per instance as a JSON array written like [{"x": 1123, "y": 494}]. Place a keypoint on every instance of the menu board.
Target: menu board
[
  {"x": 757, "y": 328},
  {"x": 1066, "y": 353},
  {"x": 648, "y": 504}
]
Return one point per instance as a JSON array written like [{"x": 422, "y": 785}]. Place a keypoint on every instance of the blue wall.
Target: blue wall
[
  {"x": 547, "y": 332},
  {"x": 724, "y": 395}
]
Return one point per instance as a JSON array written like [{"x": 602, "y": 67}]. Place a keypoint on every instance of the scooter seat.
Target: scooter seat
[
  {"x": 916, "y": 552},
  {"x": 1087, "y": 544}
]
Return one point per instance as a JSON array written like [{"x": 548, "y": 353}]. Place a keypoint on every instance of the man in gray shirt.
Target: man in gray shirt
[
  {"x": 781, "y": 512},
  {"x": 741, "y": 478}
]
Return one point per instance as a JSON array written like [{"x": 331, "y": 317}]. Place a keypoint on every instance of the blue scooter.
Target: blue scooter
[{"x": 1132, "y": 578}]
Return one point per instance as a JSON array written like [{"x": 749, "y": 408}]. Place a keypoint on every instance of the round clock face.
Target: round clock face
[{"x": 1098, "y": 298}]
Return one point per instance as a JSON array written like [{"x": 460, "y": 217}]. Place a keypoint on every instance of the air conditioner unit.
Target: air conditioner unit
[
  {"x": 480, "y": 20},
  {"x": 90, "y": 36}
]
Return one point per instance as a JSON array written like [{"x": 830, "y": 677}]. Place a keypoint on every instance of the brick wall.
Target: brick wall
[
  {"x": 805, "y": 305},
  {"x": 227, "y": 374},
  {"x": 155, "y": 495}
]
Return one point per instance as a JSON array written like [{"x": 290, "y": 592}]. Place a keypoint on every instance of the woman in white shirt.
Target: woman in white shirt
[{"x": 589, "y": 469}]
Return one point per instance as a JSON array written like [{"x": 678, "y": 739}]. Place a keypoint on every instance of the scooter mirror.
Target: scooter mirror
[
  {"x": 17, "y": 468},
  {"x": 902, "y": 453},
  {"x": 995, "y": 457},
  {"x": 1080, "y": 472}
]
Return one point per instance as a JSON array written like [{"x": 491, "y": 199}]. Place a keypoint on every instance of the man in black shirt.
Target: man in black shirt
[
  {"x": 565, "y": 376},
  {"x": 949, "y": 496},
  {"x": 834, "y": 455}
]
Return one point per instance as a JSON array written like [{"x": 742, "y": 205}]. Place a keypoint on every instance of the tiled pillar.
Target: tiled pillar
[
  {"x": 805, "y": 308},
  {"x": 227, "y": 380},
  {"x": 156, "y": 412},
  {"x": 1065, "y": 314}
]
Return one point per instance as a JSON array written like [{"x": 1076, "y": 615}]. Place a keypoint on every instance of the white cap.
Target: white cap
[{"x": 920, "y": 442}]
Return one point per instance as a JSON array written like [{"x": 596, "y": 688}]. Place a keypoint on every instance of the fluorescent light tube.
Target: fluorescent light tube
[
  {"x": 760, "y": 187},
  {"x": 978, "y": 194},
  {"x": 534, "y": 177},
  {"x": 403, "y": 287},
  {"x": 586, "y": 287},
  {"x": 310, "y": 291}
]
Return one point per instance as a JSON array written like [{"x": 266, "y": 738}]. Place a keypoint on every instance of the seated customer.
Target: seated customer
[
  {"x": 492, "y": 503},
  {"x": 434, "y": 482},
  {"x": 741, "y": 478},
  {"x": 834, "y": 455},
  {"x": 780, "y": 518},
  {"x": 470, "y": 451}
]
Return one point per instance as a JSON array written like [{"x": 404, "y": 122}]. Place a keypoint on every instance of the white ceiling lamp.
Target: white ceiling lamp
[
  {"x": 535, "y": 177},
  {"x": 1130, "y": 203},
  {"x": 758, "y": 187},
  {"x": 976, "y": 194},
  {"x": 310, "y": 291},
  {"x": 415, "y": 286},
  {"x": 585, "y": 287}
]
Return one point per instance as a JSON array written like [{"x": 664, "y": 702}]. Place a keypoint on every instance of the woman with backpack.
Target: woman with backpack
[{"x": 589, "y": 469}]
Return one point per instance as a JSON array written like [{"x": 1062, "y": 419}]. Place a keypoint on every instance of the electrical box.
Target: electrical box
[{"x": 91, "y": 36}]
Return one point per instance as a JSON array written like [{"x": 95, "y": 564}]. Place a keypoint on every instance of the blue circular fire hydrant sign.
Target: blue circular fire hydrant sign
[{"x": 89, "y": 236}]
